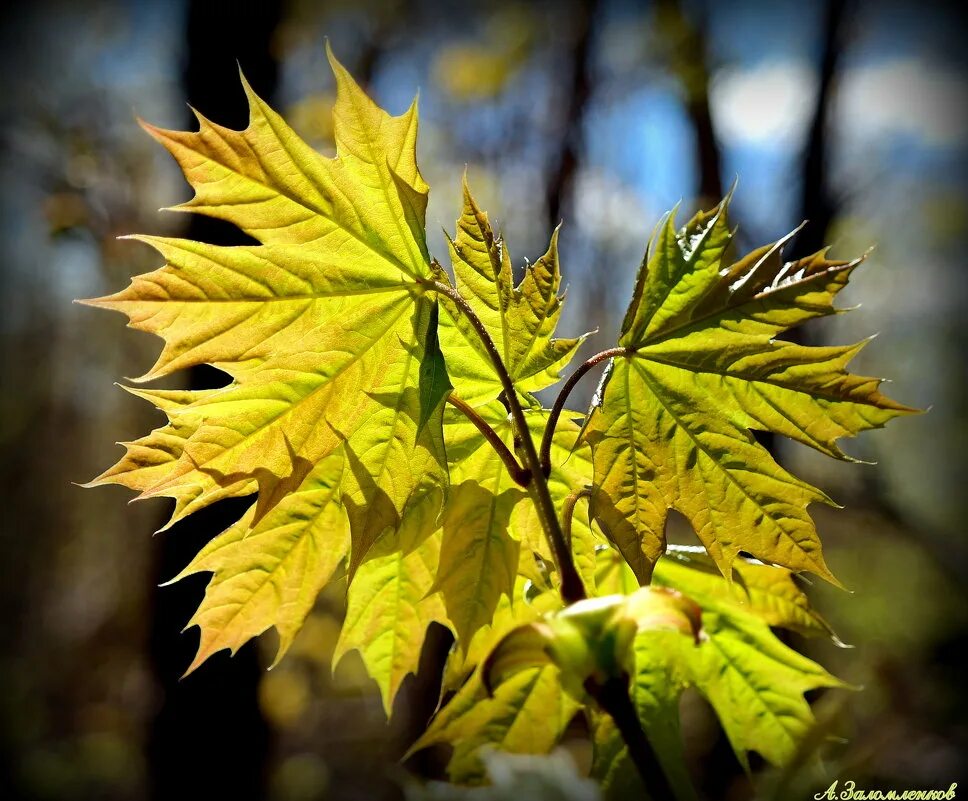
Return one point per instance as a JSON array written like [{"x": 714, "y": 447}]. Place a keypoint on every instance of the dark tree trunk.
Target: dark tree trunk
[
  {"x": 209, "y": 738},
  {"x": 688, "y": 61},
  {"x": 565, "y": 163},
  {"x": 817, "y": 206}
]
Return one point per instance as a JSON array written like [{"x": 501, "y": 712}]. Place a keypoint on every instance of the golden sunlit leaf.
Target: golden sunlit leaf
[
  {"x": 269, "y": 573},
  {"x": 390, "y": 603}
]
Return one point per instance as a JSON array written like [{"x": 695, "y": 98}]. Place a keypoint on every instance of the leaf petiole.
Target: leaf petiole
[
  {"x": 559, "y": 404},
  {"x": 568, "y": 511},
  {"x": 572, "y": 589},
  {"x": 520, "y": 475}
]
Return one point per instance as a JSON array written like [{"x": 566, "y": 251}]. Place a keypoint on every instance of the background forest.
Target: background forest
[{"x": 602, "y": 114}]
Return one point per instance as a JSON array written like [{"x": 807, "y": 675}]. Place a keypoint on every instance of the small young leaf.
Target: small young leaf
[
  {"x": 526, "y": 715},
  {"x": 521, "y": 320},
  {"x": 754, "y": 682}
]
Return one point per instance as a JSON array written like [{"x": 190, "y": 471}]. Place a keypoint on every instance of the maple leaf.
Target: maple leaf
[
  {"x": 340, "y": 362},
  {"x": 525, "y": 604},
  {"x": 323, "y": 327},
  {"x": 520, "y": 319},
  {"x": 767, "y": 591},
  {"x": 754, "y": 682},
  {"x": 670, "y": 423},
  {"x": 391, "y": 603},
  {"x": 491, "y": 531},
  {"x": 525, "y": 715},
  {"x": 478, "y": 558},
  {"x": 148, "y": 461},
  {"x": 269, "y": 573}
]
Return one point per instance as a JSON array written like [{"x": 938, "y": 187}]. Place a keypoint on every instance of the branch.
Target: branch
[
  {"x": 612, "y": 695},
  {"x": 559, "y": 404},
  {"x": 572, "y": 589},
  {"x": 518, "y": 473},
  {"x": 568, "y": 511}
]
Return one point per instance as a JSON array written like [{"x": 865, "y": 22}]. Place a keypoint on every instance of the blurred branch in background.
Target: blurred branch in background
[{"x": 817, "y": 205}]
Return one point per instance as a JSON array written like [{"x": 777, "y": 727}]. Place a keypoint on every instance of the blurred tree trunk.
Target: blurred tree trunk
[
  {"x": 564, "y": 164},
  {"x": 817, "y": 205},
  {"x": 209, "y": 735},
  {"x": 685, "y": 43}
]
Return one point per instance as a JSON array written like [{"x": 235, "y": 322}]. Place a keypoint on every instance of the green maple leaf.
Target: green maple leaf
[
  {"x": 323, "y": 327},
  {"x": 670, "y": 425},
  {"x": 767, "y": 591},
  {"x": 754, "y": 682},
  {"x": 340, "y": 361},
  {"x": 520, "y": 319},
  {"x": 478, "y": 558},
  {"x": 525, "y": 715}
]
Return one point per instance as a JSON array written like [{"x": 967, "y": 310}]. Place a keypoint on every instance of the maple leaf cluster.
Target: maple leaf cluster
[{"x": 367, "y": 412}]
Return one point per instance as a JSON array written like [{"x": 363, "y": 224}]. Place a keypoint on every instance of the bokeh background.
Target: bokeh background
[{"x": 601, "y": 114}]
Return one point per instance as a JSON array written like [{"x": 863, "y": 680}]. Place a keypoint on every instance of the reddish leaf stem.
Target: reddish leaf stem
[
  {"x": 518, "y": 473},
  {"x": 559, "y": 404},
  {"x": 572, "y": 589},
  {"x": 568, "y": 511}
]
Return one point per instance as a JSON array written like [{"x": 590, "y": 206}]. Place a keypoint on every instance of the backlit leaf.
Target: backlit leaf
[
  {"x": 520, "y": 319},
  {"x": 149, "y": 461},
  {"x": 269, "y": 573},
  {"x": 526, "y": 715},
  {"x": 323, "y": 327},
  {"x": 768, "y": 592},
  {"x": 478, "y": 557},
  {"x": 390, "y": 605},
  {"x": 670, "y": 425},
  {"x": 754, "y": 682}
]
